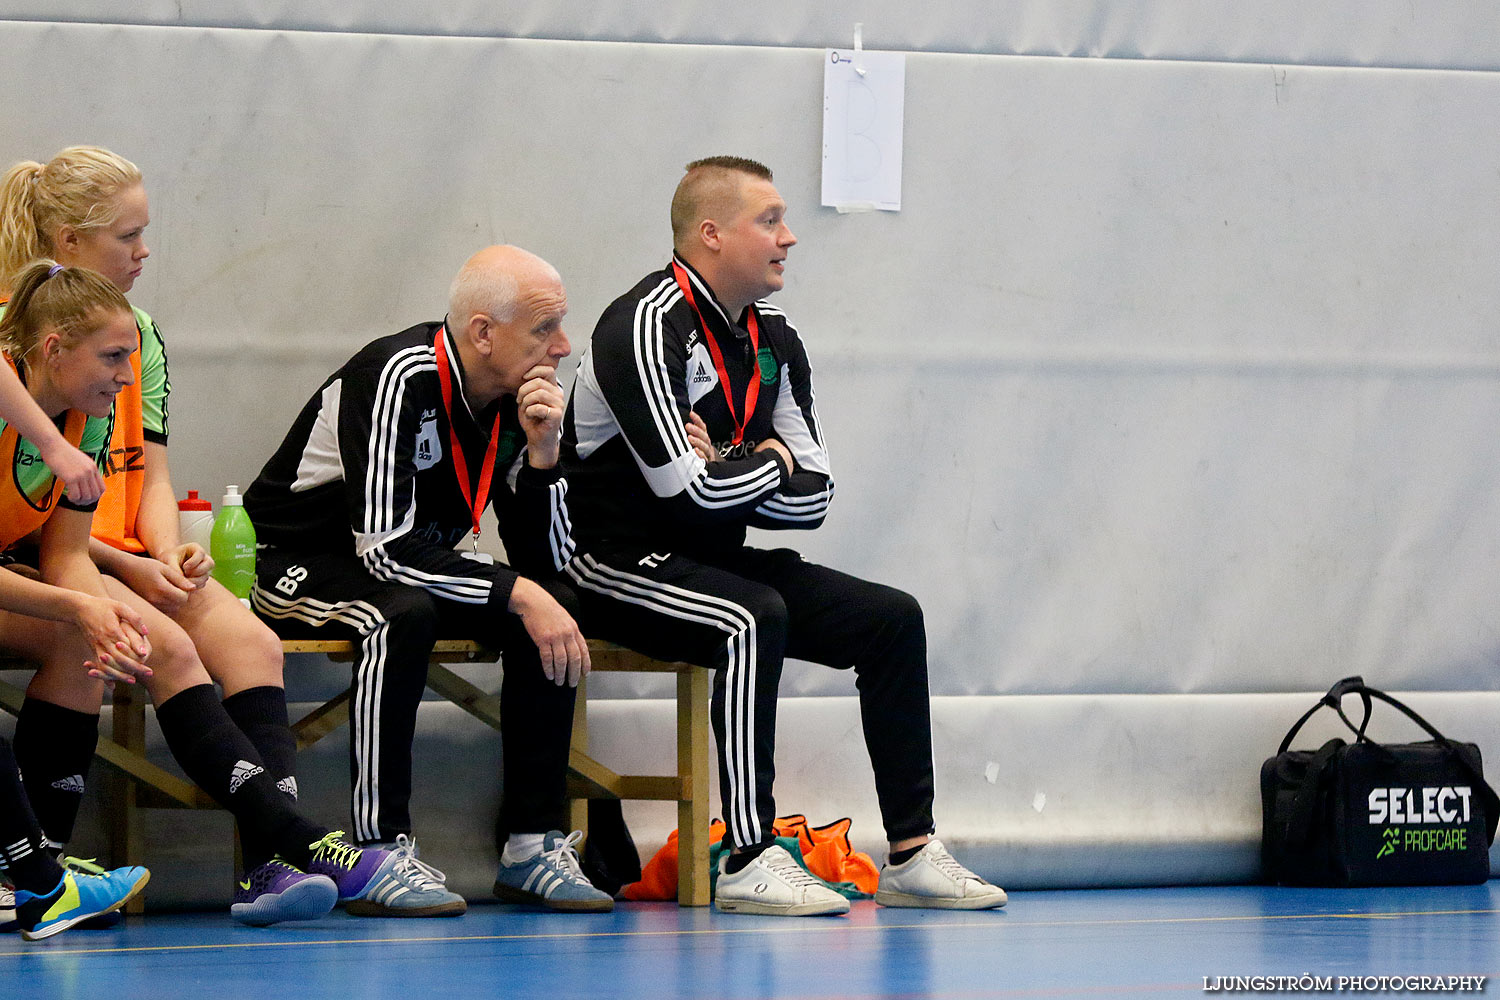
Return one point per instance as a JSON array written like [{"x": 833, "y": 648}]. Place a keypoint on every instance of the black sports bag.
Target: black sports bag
[{"x": 1367, "y": 813}]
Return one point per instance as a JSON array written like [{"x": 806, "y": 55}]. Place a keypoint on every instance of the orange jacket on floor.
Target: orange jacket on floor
[{"x": 825, "y": 851}]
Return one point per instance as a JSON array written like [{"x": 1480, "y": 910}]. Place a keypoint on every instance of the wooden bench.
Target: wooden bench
[{"x": 144, "y": 785}]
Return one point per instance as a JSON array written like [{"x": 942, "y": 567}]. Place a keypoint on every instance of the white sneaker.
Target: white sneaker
[
  {"x": 775, "y": 885},
  {"x": 7, "y": 909},
  {"x": 932, "y": 878}
]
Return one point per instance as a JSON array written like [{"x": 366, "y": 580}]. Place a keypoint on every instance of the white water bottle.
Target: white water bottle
[{"x": 195, "y": 519}]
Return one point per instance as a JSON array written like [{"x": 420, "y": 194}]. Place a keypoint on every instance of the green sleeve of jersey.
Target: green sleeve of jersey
[
  {"x": 155, "y": 385},
  {"x": 96, "y": 434}
]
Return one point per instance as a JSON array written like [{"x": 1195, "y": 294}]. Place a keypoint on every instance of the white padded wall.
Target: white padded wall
[
  {"x": 1456, "y": 34},
  {"x": 1170, "y": 377}
]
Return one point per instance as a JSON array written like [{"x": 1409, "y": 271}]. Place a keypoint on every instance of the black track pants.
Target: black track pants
[
  {"x": 742, "y": 617},
  {"x": 395, "y": 626}
]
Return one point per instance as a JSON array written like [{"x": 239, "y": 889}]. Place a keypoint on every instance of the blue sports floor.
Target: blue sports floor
[{"x": 1079, "y": 943}]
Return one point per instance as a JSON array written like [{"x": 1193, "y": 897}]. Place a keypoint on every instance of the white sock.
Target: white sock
[{"x": 521, "y": 847}]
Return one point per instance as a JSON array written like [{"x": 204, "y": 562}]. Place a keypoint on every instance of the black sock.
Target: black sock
[
  {"x": 54, "y": 746},
  {"x": 260, "y": 713},
  {"x": 739, "y": 860},
  {"x": 902, "y": 857},
  {"x": 223, "y": 762},
  {"x": 22, "y": 847}
]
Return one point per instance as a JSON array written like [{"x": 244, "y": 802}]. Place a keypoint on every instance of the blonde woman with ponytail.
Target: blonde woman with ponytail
[
  {"x": 67, "y": 340},
  {"x": 72, "y": 340}
]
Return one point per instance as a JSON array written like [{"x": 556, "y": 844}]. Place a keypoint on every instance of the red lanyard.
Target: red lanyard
[
  {"x": 752, "y": 393},
  {"x": 461, "y": 464}
]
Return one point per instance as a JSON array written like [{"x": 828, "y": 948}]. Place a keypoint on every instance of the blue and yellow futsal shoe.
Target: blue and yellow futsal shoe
[
  {"x": 77, "y": 897},
  {"x": 89, "y": 866}
]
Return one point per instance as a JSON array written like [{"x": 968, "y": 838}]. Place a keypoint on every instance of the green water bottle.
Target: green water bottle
[{"x": 232, "y": 544}]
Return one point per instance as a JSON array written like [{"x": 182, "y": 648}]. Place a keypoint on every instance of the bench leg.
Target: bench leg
[
  {"x": 692, "y": 771},
  {"x": 128, "y": 723}
]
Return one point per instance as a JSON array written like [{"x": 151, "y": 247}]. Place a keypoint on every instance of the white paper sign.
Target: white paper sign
[{"x": 863, "y": 119}]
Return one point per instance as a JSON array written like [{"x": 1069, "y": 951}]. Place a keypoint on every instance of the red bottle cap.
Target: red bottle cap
[{"x": 193, "y": 503}]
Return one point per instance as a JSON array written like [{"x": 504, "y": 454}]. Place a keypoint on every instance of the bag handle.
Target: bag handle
[
  {"x": 1356, "y": 685},
  {"x": 1334, "y": 700}
]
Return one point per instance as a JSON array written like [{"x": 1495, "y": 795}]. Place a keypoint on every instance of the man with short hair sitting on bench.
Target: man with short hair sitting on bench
[{"x": 691, "y": 419}]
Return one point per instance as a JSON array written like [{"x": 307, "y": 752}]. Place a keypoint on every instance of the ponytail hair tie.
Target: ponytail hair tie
[{"x": 52, "y": 271}]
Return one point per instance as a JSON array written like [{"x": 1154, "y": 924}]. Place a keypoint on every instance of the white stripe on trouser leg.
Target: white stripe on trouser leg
[
  {"x": 689, "y": 605},
  {"x": 361, "y": 616},
  {"x": 739, "y": 681},
  {"x": 367, "y": 620},
  {"x": 369, "y": 683},
  {"x": 739, "y": 730},
  {"x": 739, "y": 709}
]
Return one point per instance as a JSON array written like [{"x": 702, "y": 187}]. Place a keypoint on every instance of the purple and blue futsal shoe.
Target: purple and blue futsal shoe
[{"x": 277, "y": 891}]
